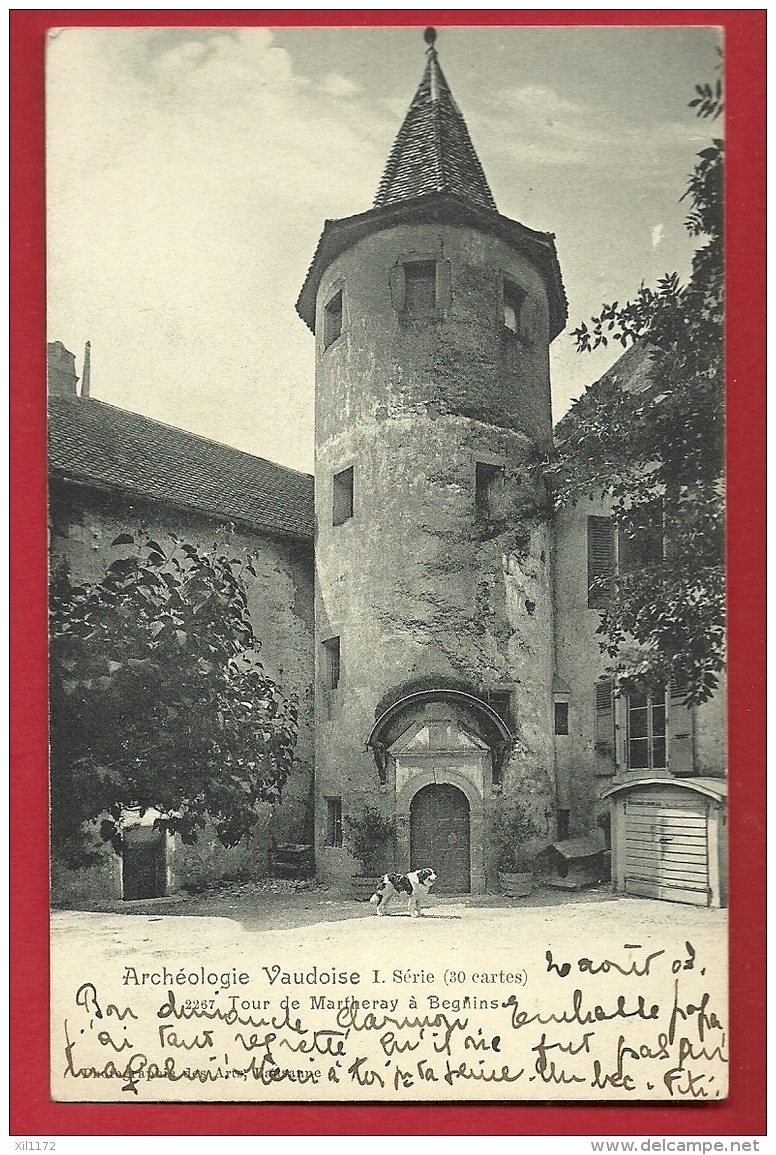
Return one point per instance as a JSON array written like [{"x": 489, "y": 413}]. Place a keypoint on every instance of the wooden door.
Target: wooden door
[
  {"x": 439, "y": 836},
  {"x": 666, "y": 848},
  {"x": 144, "y": 867}
]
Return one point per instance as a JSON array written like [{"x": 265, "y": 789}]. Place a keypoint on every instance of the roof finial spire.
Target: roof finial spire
[
  {"x": 433, "y": 152},
  {"x": 430, "y": 38}
]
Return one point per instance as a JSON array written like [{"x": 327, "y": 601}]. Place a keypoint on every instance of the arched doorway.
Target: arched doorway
[{"x": 440, "y": 835}]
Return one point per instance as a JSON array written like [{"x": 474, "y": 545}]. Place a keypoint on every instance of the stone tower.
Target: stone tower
[{"x": 432, "y": 316}]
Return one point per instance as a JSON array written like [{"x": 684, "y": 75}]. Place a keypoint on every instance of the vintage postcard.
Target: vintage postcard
[{"x": 387, "y": 577}]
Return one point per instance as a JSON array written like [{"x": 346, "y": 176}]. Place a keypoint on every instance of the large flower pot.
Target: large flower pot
[
  {"x": 363, "y": 886},
  {"x": 515, "y": 885}
]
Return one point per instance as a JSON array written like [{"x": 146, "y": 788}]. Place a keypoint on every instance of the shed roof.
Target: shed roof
[{"x": 92, "y": 443}]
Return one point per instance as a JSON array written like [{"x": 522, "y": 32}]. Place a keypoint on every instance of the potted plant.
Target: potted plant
[
  {"x": 513, "y": 827},
  {"x": 368, "y": 834}
]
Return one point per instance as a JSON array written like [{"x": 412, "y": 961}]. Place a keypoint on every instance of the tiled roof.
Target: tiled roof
[
  {"x": 94, "y": 443},
  {"x": 433, "y": 151},
  {"x": 631, "y": 373}
]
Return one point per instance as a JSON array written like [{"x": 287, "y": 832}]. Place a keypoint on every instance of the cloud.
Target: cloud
[
  {"x": 657, "y": 235},
  {"x": 185, "y": 201},
  {"x": 339, "y": 86}
]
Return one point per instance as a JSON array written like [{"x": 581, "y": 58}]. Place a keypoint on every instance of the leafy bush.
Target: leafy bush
[
  {"x": 368, "y": 835},
  {"x": 513, "y": 827}
]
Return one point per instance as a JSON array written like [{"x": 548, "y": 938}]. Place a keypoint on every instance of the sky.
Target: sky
[{"x": 189, "y": 173}]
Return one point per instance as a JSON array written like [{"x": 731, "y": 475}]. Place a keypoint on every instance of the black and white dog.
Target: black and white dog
[{"x": 416, "y": 884}]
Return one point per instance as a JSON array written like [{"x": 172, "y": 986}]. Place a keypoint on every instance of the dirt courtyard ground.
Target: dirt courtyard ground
[
  {"x": 251, "y": 911},
  {"x": 271, "y": 904}
]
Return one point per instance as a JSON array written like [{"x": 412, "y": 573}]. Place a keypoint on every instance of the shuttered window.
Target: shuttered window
[
  {"x": 605, "y": 760},
  {"x": 681, "y": 732},
  {"x": 601, "y": 561}
]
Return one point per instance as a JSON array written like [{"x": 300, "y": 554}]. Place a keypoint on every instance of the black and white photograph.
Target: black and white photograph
[{"x": 386, "y": 454}]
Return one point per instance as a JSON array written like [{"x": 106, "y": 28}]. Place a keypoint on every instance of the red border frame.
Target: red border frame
[{"x": 32, "y": 1112}]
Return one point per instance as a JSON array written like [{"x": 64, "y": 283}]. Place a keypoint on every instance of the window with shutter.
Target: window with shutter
[
  {"x": 601, "y": 561},
  {"x": 605, "y": 759},
  {"x": 420, "y": 286},
  {"x": 681, "y": 732}
]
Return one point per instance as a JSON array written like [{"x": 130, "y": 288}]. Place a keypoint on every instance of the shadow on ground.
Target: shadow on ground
[{"x": 274, "y": 904}]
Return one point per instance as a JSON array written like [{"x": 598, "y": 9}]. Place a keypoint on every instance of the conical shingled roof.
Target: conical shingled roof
[{"x": 433, "y": 152}]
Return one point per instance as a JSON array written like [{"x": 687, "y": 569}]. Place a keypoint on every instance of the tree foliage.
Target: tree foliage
[
  {"x": 158, "y": 700},
  {"x": 652, "y": 430}
]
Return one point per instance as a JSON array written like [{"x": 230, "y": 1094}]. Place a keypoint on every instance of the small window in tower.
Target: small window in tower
[
  {"x": 342, "y": 496},
  {"x": 332, "y": 320},
  {"x": 514, "y": 299},
  {"x": 489, "y": 491},
  {"x": 561, "y": 717},
  {"x": 333, "y": 821},
  {"x": 331, "y": 663},
  {"x": 501, "y": 702},
  {"x": 419, "y": 287},
  {"x": 563, "y": 825}
]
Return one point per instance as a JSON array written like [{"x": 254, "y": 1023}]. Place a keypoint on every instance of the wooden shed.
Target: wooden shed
[{"x": 669, "y": 839}]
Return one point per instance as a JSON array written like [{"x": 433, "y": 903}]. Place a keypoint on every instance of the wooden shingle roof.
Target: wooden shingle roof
[
  {"x": 433, "y": 152},
  {"x": 91, "y": 443}
]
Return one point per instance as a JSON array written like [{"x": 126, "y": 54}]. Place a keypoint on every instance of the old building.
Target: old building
[
  {"x": 112, "y": 472},
  {"x": 452, "y": 655}
]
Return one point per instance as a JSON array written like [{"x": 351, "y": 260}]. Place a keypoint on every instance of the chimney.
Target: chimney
[
  {"x": 87, "y": 370},
  {"x": 61, "y": 372}
]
